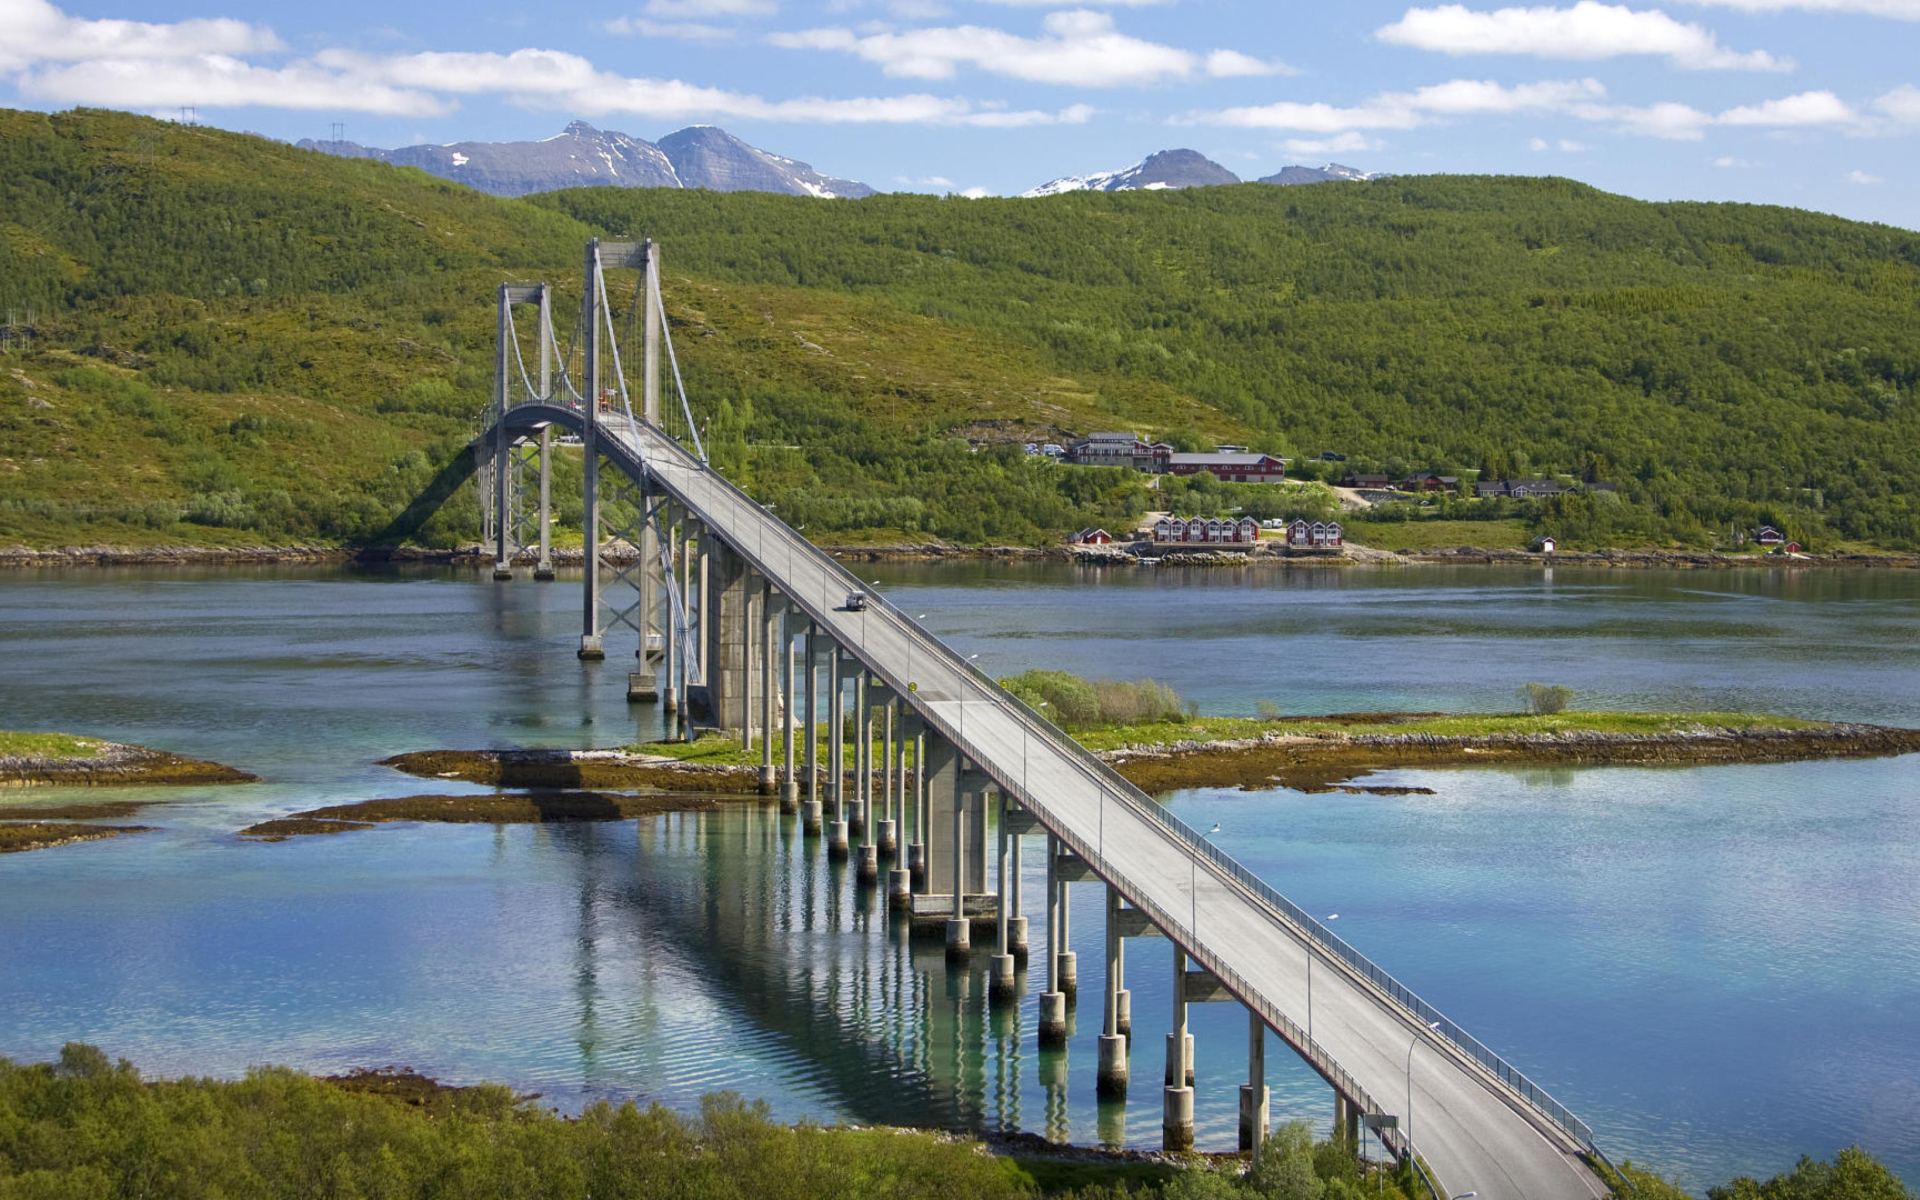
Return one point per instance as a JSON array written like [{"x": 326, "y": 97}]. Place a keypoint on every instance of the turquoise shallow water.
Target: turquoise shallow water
[{"x": 1718, "y": 968}]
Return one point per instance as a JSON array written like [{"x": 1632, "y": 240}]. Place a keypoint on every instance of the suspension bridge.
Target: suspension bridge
[{"x": 935, "y": 772}]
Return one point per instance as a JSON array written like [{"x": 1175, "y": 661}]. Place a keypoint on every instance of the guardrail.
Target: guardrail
[{"x": 1115, "y": 786}]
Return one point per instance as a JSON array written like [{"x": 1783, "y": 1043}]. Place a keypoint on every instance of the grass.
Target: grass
[
  {"x": 723, "y": 750},
  {"x": 50, "y": 745},
  {"x": 1433, "y": 535},
  {"x": 1221, "y": 729}
]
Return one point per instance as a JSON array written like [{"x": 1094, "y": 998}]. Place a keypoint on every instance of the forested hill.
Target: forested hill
[{"x": 234, "y": 340}]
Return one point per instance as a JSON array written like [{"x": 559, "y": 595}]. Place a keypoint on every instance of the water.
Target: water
[{"x": 1716, "y": 967}]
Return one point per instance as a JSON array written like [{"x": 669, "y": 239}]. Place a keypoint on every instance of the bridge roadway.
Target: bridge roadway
[{"x": 1475, "y": 1131}]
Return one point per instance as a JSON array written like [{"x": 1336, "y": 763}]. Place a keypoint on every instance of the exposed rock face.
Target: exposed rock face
[
  {"x": 1332, "y": 172},
  {"x": 582, "y": 156},
  {"x": 711, "y": 158}
]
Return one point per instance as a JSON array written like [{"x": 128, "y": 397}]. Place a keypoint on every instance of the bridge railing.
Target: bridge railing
[{"x": 1115, "y": 787}]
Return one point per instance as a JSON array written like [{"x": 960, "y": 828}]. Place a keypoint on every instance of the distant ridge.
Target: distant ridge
[
  {"x": 1185, "y": 169},
  {"x": 700, "y": 156},
  {"x": 1332, "y": 172},
  {"x": 1167, "y": 169}
]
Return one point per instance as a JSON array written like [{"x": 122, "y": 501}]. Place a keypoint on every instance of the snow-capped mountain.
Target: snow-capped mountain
[
  {"x": 1331, "y": 172},
  {"x": 582, "y": 156},
  {"x": 709, "y": 157},
  {"x": 1167, "y": 169}
]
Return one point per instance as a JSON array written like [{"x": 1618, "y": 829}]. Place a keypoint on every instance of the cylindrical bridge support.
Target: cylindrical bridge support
[
  {"x": 1112, "y": 1077},
  {"x": 789, "y": 782},
  {"x": 1002, "y": 983},
  {"x": 1253, "y": 1093},
  {"x": 1176, "y": 1122},
  {"x": 543, "y": 569},
  {"x": 769, "y": 684},
  {"x": 837, "y": 844},
  {"x": 1053, "y": 1001},
  {"x": 810, "y": 818}
]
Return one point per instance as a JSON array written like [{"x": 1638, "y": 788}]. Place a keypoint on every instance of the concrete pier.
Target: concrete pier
[
  {"x": 887, "y": 838},
  {"x": 1253, "y": 1093},
  {"x": 1112, "y": 1078},
  {"x": 1053, "y": 1019},
  {"x": 959, "y": 939},
  {"x": 1003, "y": 984},
  {"x": 811, "y": 822},
  {"x": 1176, "y": 1119},
  {"x": 867, "y": 865},
  {"x": 900, "y": 888},
  {"x": 837, "y": 844}
]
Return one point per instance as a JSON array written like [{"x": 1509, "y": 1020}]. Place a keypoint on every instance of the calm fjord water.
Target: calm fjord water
[{"x": 1719, "y": 968}]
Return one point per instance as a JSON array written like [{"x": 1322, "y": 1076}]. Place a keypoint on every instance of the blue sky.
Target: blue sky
[{"x": 1813, "y": 103}]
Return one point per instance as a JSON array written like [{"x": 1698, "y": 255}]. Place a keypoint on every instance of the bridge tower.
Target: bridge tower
[{"x": 513, "y": 521}]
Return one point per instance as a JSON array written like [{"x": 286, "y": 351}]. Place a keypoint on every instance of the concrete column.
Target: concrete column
[
  {"x": 900, "y": 878},
  {"x": 708, "y": 610},
  {"x": 543, "y": 570},
  {"x": 669, "y": 633},
  {"x": 769, "y": 684},
  {"x": 917, "y": 848},
  {"x": 741, "y": 678},
  {"x": 1053, "y": 1001},
  {"x": 869, "y": 862},
  {"x": 789, "y": 782},
  {"x": 959, "y": 930},
  {"x": 810, "y": 818},
  {"x": 1016, "y": 922},
  {"x": 1176, "y": 1122},
  {"x": 590, "y": 645},
  {"x": 644, "y": 683},
  {"x": 863, "y": 759},
  {"x": 837, "y": 845},
  {"x": 1068, "y": 964},
  {"x": 1112, "y": 1077},
  {"x": 887, "y": 836},
  {"x": 1346, "y": 1120},
  {"x": 502, "y": 447},
  {"x": 1001, "y": 986},
  {"x": 1253, "y": 1093}
]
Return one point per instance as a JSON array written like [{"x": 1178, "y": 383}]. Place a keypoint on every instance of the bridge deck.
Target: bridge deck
[{"x": 1475, "y": 1131}]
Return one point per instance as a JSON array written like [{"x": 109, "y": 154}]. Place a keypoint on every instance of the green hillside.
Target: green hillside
[{"x": 236, "y": 341}]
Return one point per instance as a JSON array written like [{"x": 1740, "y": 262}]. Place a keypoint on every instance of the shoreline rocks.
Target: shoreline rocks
[{"x": 117, "y": 764}]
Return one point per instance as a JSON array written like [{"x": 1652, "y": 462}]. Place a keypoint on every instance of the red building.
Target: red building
[
  {"x": 1230, "y": 468},
  {"x": 1214, "y": 531}
]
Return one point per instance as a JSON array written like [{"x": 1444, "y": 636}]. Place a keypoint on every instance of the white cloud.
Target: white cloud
[
  {"x": 154, "y": 67},
  {"x": 1729, "y": 162},
  {"x": 1099, "y": 3},
  {"x": 1571, "y": 147},
  {"x": 1563, "y": 145},
  {"x": 1863, "y": 177},
  {"x": 1906, "y": 10},
  {"x": 1902, "y": 105},
  {"x": 220, "y": 81},
  {"x": 1407, "y": 110},
  {"x": 1667, "y": 119},
  {"x": 1340, "y": 143},
  {"x": 975, "y": 193},
  {"x": 1588, "y": 30},
  {"x": 693, "y": 31},
  {"x": 1231, "y": 64},
  {"x": 1079, "y": 47},
  {"x": 1807, "y": 108},
  {"x": 34, "y": 31}
]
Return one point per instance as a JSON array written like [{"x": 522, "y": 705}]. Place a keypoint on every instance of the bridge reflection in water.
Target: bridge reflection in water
[{"x": 749, "y": 941}]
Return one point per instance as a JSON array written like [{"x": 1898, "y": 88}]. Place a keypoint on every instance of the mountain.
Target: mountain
[
  {"x": 582, "y": 156},
  {"x": 1329, "y": 173},
  {"x": 1167, "y": 169},
  {"x": 711, "y": 158}
]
